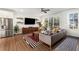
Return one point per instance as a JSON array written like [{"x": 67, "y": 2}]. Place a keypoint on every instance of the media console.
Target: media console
[{"x": 29, "y": 30}]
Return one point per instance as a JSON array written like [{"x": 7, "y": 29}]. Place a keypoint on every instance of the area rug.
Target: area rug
[
  {"x": 31, "y": 42},
  {"x": 69, "y": 44}
]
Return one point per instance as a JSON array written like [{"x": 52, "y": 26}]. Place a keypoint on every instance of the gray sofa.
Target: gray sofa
[
  {"x": 58, "y": 36},
  {"x": 53, "y": 38}
]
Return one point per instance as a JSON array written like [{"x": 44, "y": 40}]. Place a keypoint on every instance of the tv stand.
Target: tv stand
[{"x": 29, "y": 30}]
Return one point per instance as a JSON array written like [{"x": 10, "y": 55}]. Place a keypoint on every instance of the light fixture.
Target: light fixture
[{"x": 45, "y": 10}]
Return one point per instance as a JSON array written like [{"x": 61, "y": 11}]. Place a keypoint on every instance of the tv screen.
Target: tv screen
[{"x": 29, "y": 21}]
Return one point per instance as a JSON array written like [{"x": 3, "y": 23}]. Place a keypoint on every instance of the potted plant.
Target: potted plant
[{"x": 16, "y": 29}]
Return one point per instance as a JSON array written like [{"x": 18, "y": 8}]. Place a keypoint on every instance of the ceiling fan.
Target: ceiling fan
[{"x": 45, "y": 10}]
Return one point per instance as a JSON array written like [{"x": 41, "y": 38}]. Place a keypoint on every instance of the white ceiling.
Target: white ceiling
[
  {"x": 33, "y": 11},
  {"x": 36, "y": 10}
]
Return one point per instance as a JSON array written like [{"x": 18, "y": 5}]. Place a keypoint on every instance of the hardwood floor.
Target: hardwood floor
[{"x": 17, "y": 43}]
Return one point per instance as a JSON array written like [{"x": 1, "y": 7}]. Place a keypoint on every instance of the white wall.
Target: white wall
[
  {"x": 6, "y": 14},
  {"x": 64, "y": 21},
  {"x": 25, "y": 16}
]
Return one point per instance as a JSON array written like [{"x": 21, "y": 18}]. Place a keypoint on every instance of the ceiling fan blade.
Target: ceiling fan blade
[{"x": 44, "y": 10}]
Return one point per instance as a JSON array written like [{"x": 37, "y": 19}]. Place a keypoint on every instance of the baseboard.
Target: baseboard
[{"x": 73, "y": 36}]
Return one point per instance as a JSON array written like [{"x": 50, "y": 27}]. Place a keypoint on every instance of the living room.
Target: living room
[{"x": 32, "y": 29}]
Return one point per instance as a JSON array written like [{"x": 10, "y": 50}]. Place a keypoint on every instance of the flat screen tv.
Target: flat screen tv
[{"x": 29, "y": 21}]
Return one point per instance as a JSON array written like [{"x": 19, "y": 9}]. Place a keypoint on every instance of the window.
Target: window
[{"x": 73, "y": 19}]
